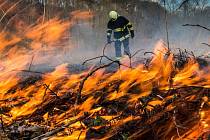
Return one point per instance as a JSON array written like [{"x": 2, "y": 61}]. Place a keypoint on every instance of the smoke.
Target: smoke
[
  {"x": 44, "y": 46},
  {"x": 41, "y": 46},
  {"x": 150, "y": 27}
]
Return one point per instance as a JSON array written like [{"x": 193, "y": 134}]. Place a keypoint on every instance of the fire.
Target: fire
[
  {"x": 45, "y": 94},
  {"x": 157, "y": 74},
  {"x": 49, "y": 32}
]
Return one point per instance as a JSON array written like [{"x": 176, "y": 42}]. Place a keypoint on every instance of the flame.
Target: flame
[
  {"x": 24, "y": 100},
  {"x": 158, "y": 74},
  {"x": 81, "y": 15},
  {"x": 75, "y": 135},
  {"x": 49, "y": 32}
]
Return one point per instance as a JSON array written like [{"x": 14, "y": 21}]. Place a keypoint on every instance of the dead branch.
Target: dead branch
[
  {"x": 87, "y": 76},
  {"x": 79, "y": 135},
  {"x": 182, "y": 4},
  {"x": 47, "y": 87},
  {"x": 29, "y": 71},
  {"x": 176, "y": 126},
  {"x": 206, "y": 44},
  {"x": 104, "y": 56},
  {"x": 91, "y": 59},
  {"x": 197, "y": 25},
  {"x": 131, "y": 56},
  {"x": 31, "y": 63},
  {"x": 55, "y": 131},
  {"x": 149, "y": 53},
  {"x": 103, "y": 51},
  {"x": 135, "y": 53},
  {"x": 166, "y": 27}
]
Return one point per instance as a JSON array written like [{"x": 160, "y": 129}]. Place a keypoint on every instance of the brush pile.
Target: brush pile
[{"x": 165, "y": 98}]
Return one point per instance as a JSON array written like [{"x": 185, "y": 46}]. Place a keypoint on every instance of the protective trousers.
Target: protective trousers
[{"x": 118, "y": 45}]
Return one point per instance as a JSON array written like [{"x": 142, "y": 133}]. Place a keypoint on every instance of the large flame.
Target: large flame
[{"x": 24, "y": 100}]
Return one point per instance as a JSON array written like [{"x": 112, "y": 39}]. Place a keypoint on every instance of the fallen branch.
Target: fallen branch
[
  {"x": 48, "y": 88},
  {"x": 55, "y": 131},
  {"x": 104, "y": 56},
  {"x": 94, "y": 58},
  {"x": 197, "y": 25},
  {"x": 166, "y": 27},
  {"x": 87, "y": 76},
  {"x": 137, "y": 52},
  {"x": 131, "y": 56},
  {"x": 206, "y": 44},
  {"x": 103, "y": 51},
  {"x": 29, "y": 71}
]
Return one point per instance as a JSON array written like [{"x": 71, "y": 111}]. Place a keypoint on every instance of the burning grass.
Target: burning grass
[{"x": 166, "y": 99}]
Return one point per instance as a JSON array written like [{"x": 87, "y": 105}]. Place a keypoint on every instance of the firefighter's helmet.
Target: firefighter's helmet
[{"x": 113, "y": 15}]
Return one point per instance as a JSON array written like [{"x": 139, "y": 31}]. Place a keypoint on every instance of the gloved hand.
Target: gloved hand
[{"x": 132, "y": 33}]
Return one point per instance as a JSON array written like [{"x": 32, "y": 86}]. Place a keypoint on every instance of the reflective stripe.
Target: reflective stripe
[
  {"x": 122, "y": 38},
  {"x": 131, "y": 28},
  {"x": 129, "y": 24},
  {"x": 120, "y": 29}
]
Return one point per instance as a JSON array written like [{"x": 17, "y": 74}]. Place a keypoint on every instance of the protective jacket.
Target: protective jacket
[{"x": 121, "y": 27}]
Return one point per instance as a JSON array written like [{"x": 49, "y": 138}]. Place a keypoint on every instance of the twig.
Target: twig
[
  {"x": 55, "y": 131},
  {"x": 166, "y": 27},
  {"x": 79, "y": 135},
  {"x": 176, "y": 126},
  {"x": 47, "y": 87},
  {"x": 103, "y": 51},
  {"x": 87, "y": 76},
  {"x": 31, "y": 63},
  {"x": 44, "y": 12},
  {"x": 29, "y": 71},
  {"x": 45, "y": 91},
  {"x": 131, "y": 56},
  {"x": 183, "y": 3},
  {"x": 206, "y": 44},
  {"x": 91, "y": 59},
  {"x": 108, "y": 58},
  {"x": 137, "y": 52},
  {"x": 2, "y": 124},
  {"x": 104, "y": 56},
  {"x": 197, "y": 25},
  {"x": 149, "y": 53}
]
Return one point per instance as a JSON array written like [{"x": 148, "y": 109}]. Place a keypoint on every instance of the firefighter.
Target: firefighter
[{"x": 122, "y": 30}]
